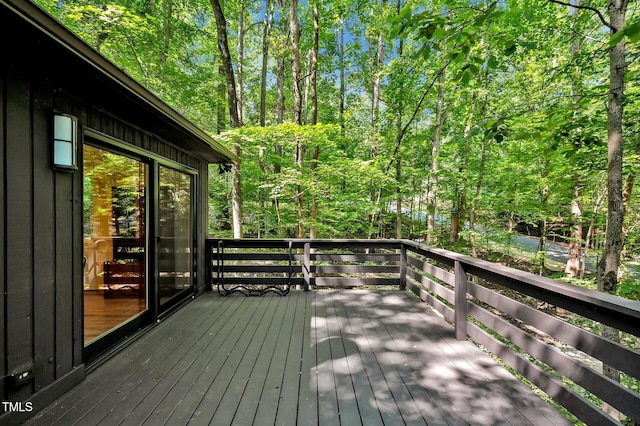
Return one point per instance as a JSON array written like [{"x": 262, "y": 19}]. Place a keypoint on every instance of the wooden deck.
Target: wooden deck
[{"x": 327, "y": 357}]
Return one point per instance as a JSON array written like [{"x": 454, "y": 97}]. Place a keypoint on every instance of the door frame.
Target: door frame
[
  {"x": 154, "y": 310},
  {"x": 182, "y": 295}
]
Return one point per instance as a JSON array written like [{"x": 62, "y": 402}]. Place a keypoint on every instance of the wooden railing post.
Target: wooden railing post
[
  {"x": 403, "y": 267},
  {"x": 306, "y": 268},
  {"x": 461, "y": 301}
]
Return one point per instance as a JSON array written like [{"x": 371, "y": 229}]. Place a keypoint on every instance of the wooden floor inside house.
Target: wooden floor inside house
[
  {"x": 101, "y": 313},
  {"x": 344, "y": 357}
]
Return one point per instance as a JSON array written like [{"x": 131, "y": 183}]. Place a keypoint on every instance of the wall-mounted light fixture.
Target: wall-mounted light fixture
[{"x": 65, "y": 136}]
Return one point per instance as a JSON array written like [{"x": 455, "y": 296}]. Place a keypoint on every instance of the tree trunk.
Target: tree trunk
[
  {"x": 583, "y": 269},
  {"x": 433, "y": 170},
  {"x": 474, "y": 203},
  {"x": 236, "y": 194},
  {"x": 280, "y": 75},
  {"x": 280, "y": 90},
  {"x": 608, "y": 266},
  {"x": 266, "y": 32},
  {"x": 398, "y": 198},
  {"x": 167, "y": 11},
  {"x": 375, "y": 91},
  {"x": 575, "y": 243},
  {"x": 294, "y": 30},
  {"x": 343, "y": 84},
  {"x": 307, "y": 86},
  {"x": 600, "y": 195},
  {"x": 221, "y": 101},
  {"x": 313, "y": 231},
  {"x": 227, "y": 69},
  {"x": 241, "y": 34},
  {"x": 314, "y": 64},
  {"x": 227, "y": 66},
  {"x": 610, "y": 262},
  {"x": 294, "y": 33},
  {"x": 399, "y": 130},
  {"x": 314, "y": 116},
  {"x": 543, "y": 228},
  {"x": 626, "y": 198},
  {"x": 375, "y": 113},
  {"x": 462, "y": 203}
]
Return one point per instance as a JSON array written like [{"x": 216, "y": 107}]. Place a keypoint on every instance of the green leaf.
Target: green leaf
[
  {"x": 465, "y": 78},
  {"x": 511, "y": 49},
  {"x": 405, "y": 12},
  {"x": 439, "y": 34},
  {"x": 633, "y": 32},
  {"x": 616, "y": 38}
]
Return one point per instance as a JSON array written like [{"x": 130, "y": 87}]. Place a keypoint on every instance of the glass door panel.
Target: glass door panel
[
  {"x": 114, "y": 216},
  {"x": 175, "y": 233}
]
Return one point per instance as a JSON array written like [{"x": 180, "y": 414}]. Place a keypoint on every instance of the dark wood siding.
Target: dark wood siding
[
  {"x": 42, "y": 215},
  {"x": 19, "y": 228},
  {"x": 44, "y": 251},
  {"x": 64, "y": 272},
  {"x": 3, "y": 282},
  {"x": 41, "y": 271}
]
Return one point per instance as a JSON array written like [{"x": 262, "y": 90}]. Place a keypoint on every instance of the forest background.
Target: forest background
[{"x": 383, "y": 118}]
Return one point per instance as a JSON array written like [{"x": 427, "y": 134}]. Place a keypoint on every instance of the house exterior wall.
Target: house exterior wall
[{"x": 41, "y": 271}]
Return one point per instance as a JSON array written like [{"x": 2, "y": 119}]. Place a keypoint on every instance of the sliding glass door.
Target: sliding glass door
[
  {"x": 139, "y": 224},
  {"x": 115, "y": 190},
  {"x": 175, "y": 234}
]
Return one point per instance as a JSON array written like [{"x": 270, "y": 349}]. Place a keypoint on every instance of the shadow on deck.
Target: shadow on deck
[{"x": 321, "y": 357}]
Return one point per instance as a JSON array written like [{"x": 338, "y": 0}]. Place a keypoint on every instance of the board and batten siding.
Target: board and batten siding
[{"x": 41, "y": 270}]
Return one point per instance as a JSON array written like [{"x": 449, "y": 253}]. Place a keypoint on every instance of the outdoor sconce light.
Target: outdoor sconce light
[{"x": 65, "y": 137}]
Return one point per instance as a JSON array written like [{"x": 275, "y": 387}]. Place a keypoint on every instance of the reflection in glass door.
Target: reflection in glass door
[
  {"x": 175, "y": 233},
  {"x": 114, "y": 216}
]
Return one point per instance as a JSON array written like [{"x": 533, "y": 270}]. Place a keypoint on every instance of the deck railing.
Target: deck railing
[{"x": 545, "y": 330}]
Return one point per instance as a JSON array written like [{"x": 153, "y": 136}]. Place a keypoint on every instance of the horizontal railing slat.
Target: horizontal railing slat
[
  {"x": 356, "y": 269},
  {"x": 608, "y": 390},
  {"x": 575, "y": 403},
  {"x": 433, "y": 286},
  {"x": 355, "y": 281},
  {"x": 256, "y": 269},
  {"x": 432, "y": 270},
  {"x": 233, "y": 281},
  {"x": 447, "y": 312},
  {"x": 373, "y": 257},
  {"x": 259, "y": 256},
  {"x": 610, "y": 352}
]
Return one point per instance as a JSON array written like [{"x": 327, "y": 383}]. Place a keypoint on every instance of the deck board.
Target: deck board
[
  {"x": 78, "y": 402},
  {"x": 326, "y": 357},
  {"x": 303, "y": 398},
  {"x": 379, "y": 397}
]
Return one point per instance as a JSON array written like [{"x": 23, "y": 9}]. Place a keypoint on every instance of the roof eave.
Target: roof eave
[{"x": 58, "y": 32}]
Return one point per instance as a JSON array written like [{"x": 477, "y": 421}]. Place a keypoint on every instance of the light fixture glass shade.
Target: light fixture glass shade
[
  {"x": 63, "y": 153},
  {"x": 64, "y": 142}
]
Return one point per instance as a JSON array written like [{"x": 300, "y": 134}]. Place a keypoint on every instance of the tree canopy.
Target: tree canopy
[{"x": 395, "y": 114}]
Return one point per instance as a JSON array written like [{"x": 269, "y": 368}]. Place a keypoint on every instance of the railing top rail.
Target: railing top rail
[{"x": 300, "y": 242}]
